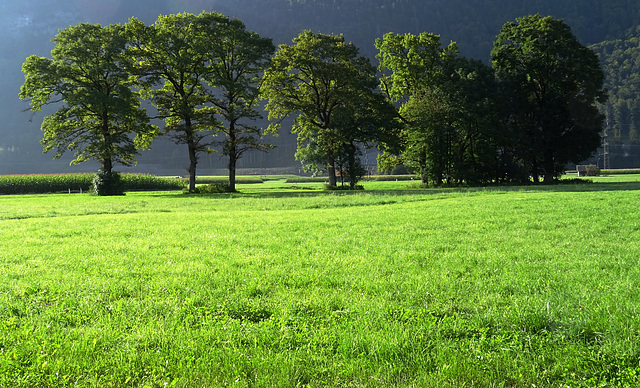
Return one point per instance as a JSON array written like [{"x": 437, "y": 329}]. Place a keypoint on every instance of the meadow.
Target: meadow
[{"x": 288, "y": 285}]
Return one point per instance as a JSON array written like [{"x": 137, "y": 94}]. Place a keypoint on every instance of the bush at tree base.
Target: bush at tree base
[{"x": 108, "y": 183}]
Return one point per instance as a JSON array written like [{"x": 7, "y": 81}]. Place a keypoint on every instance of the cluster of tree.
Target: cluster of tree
[
  {"x": 201, "y": 73},
  {"x": 525, "y": 118},
  {"x": 454, "y": 120}
]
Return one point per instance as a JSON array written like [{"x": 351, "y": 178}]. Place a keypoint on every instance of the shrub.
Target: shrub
[
  {"x": 593, "y": 170},
  {"x": 107, "y": 183}
]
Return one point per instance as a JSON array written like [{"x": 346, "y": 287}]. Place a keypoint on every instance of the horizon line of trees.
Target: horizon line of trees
[{"x": 451, "y": 119}]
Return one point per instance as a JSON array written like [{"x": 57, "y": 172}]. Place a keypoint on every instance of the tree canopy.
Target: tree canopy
[
  {"x": 452, "y": 119},
  {"x": 173, "y": 53},
  {"x": 208, "y": 67},
  {"x": 238, "y": 59},
  {"x": 553, "y": 83},
  {"x": 98, "y": 109},
  {"x": 325, "y": 81}
]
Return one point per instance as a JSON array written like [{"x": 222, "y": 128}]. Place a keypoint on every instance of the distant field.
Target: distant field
[{"x": 288, "y": 285}]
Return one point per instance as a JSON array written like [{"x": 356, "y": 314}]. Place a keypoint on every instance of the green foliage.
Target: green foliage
[
  {"x": 387, "y": 162},
  {"x": 238, "y": 59},
  {"x": 172, "y": 57},
  {"x": 40, "y": 184},
  {"x": 77, "y": 183},
  {"x": 307, "y": 179},
  {"x": 107, "y": 183},
  {"x": 593, "y": 170},
  {"x": 209, "y": 67},
  {"x": 331, "y": 88},
  {"x": 620, "y": 171},
  {"x": 145, "y": 182},
  {"x": 391, "y": 177},
  {"x": 411, "y": 64},
  {"x": 449, "y": 109},
  {"x": 553, "y": 83},
  {"x": 88, "y": 74}
]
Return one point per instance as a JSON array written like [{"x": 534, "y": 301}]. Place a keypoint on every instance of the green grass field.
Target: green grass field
[{"x": 288, "y": 285}]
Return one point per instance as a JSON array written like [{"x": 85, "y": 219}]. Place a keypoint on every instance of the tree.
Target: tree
[
  {"x": 554, "y": 83},
  {"x": 416, "y": 72},
  {"x": 478, "y": 133},
  {"x": 174, "y": 52},
  {"x": 237, "y": 59},
  {"x": 325, "y": 81},
  {"x": 368, "y": 121},
  {"x": 100, "y": 111}
]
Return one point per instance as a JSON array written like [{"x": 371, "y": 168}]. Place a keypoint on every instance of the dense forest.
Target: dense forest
[
  {"x": 621, "y": 62},
  {"x": 610, "y": 26}
]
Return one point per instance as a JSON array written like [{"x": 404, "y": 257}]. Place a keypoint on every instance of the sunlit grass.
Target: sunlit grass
[{"x": 278, "y": 286}]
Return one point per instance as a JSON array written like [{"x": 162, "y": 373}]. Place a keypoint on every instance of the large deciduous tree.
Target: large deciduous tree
[
  {"x": 173, "y": 53},
  {"x": 237, "y": 60},
  {"x": 553, "y": 83},
  {"x": 99, "y": 115},
  {"x": 326, "y": 82}
]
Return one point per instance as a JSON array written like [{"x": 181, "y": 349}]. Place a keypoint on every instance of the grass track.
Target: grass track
[{"x": 269, "y": 288}]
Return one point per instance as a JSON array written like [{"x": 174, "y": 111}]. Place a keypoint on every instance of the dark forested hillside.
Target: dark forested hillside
[
  {"x": 473, "y": 24},
  {"x": 28, "y": 26},
  {"x": 621, "y": 62}
]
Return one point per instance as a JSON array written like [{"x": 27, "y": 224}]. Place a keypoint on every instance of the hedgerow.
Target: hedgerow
[
  {"x": 620, "y": 171},
  {"x": 75, "y": 183}
]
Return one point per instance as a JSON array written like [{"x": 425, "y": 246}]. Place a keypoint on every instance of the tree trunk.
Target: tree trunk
[
  {"x": 549, "y": 168},
  {"x": 193, "y": 155},
  {"x": 193, "y": 161},
  {"x": 232, "y": 170},
  {"x": 107, "y": 160},
  {"x": 107, "y": 165},
  {"x": 231, "y": 150},
  {"x": 534, "y": 170},
  {"x": 353, "y": 178},
  {"x": 331, "y": 169},
  {"x": 423, "y": 168}
]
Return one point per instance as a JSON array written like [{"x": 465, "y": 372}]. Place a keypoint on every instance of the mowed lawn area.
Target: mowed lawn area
[{"x": 294, "y": 286}]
